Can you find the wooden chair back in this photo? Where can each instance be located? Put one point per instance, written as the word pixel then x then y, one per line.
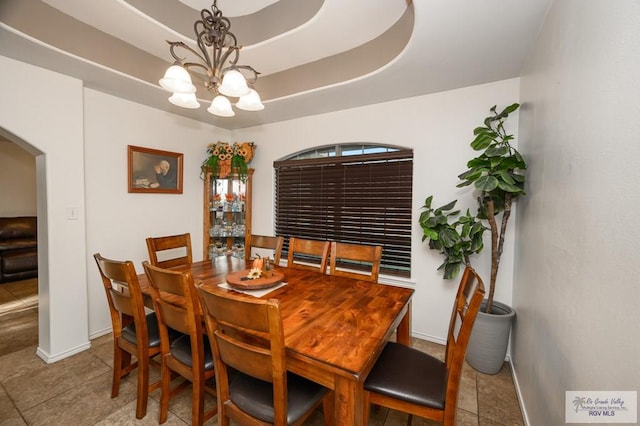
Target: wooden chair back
pixel 177 307
pixel 358 261
pixel 406 392
pixel 267 242
pixel 463 315
pixel 308 254
pixel 247 337
pixel 169 246
pixel 128 317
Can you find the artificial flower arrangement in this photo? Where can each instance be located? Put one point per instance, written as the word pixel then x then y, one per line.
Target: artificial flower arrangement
pixel 224 158
pixel 260 266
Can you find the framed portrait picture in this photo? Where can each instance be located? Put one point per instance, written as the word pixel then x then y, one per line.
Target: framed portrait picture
pixel 154 171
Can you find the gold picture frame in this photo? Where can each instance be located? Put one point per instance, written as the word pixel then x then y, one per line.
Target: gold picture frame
pixel 154 171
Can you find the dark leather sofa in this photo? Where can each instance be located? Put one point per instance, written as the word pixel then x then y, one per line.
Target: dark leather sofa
pixel 18 248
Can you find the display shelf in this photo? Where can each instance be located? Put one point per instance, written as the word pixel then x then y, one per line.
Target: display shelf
pixel 227 214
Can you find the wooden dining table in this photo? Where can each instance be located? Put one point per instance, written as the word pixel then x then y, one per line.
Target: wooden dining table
pixel 335 328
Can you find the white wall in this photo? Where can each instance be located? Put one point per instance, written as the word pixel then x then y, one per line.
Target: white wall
pixel 17 181
pixel 118 222
pixel 575 287
pixel 80 140
pixel 52 126
pixel 439 129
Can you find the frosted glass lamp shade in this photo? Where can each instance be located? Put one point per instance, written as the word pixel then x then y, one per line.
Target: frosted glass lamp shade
pixel 234 84
pixel 250 102
pixel 185 100
pixel 221 106
pixel 177 79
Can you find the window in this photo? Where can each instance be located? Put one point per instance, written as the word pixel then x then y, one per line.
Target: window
pixel 350 193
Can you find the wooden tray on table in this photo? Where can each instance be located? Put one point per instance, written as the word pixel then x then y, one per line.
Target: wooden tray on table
pixel 235 280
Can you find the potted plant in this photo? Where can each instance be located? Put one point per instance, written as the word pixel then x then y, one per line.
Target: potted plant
pixel 497 176
pixel 224 159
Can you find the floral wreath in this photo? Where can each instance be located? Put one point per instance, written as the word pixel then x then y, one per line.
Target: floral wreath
pixel 224 158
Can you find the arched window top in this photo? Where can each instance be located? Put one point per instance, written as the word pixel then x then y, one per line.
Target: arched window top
pixel 343 150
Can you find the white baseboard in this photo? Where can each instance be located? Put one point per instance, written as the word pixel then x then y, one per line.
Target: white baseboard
pixel 50 359
pixel 523 408
pixel 100 333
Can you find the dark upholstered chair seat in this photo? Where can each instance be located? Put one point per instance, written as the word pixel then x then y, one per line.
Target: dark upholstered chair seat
pixel 129 332
pixel 410 375
pixel 181 350
pixel 255 396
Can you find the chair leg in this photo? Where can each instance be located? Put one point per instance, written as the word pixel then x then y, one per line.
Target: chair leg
pixel 143 389
pixel 197 406
pixel 165 390
pixel 117 370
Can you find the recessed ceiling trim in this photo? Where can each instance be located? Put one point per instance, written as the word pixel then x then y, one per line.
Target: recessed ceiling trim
pixel 282 16
pixel 344 67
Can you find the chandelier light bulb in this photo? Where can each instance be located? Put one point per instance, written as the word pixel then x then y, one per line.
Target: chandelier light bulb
pixel 177 79
pixel 185 100
pixel 234 84
pixel 250 102
pixel 221 106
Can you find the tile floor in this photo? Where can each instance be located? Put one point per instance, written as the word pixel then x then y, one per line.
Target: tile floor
pixel 76 390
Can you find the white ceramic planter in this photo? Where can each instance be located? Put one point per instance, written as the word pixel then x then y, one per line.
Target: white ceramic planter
pixel 490 337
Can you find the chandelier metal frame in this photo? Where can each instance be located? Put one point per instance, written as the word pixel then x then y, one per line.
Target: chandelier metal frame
pixel 212 34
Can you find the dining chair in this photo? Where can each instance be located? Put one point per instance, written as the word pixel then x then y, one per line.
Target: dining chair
pixel 358 261
pixel 308 254
pixel 254 387
pixel 177 307
pixel 174 250
pixel 134 332
pixel 414 382
pixel 268 242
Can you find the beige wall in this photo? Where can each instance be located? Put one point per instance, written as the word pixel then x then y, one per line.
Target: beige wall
pixel 115 222
pixel 17 180
pixel 575 286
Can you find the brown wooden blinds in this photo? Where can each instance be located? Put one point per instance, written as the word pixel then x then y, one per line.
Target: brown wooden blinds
pixel 362 199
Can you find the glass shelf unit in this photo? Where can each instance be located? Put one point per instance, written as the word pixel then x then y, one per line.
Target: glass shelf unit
pixel 227 215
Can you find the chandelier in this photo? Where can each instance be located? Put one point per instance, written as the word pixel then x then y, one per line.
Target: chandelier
pixel 218 57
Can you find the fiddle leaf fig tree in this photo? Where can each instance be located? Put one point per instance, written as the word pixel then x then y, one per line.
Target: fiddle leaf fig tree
pixel 497 174
pixel 455 237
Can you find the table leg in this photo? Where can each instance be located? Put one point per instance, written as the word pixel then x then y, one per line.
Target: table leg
pixel 403 332
pixel 349 403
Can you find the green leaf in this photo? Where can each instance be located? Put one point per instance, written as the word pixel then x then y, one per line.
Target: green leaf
pixel 508 110
pixel 429 233
pixel 479 130
pixel 482 141
pixel 507 187
pixel 451 270
pixel 478 162
pixel 427 202
pixel 433 222
pixel 486 183
pixel 448 206
pixel 471 174
pixel 496 151
pixel 517 177
pixel 448 237
pixel 505 176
